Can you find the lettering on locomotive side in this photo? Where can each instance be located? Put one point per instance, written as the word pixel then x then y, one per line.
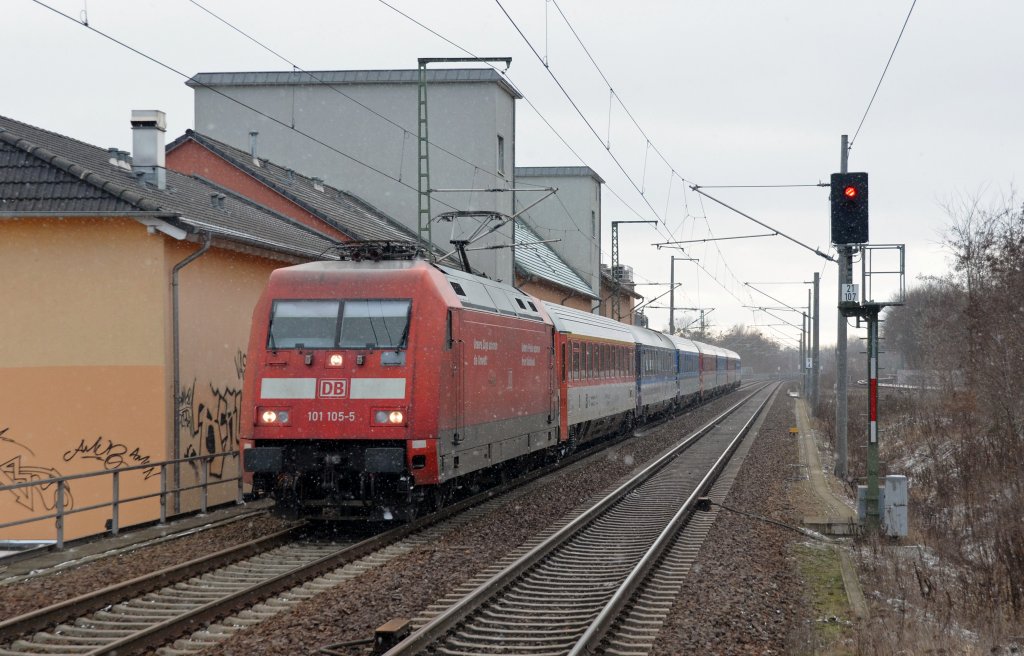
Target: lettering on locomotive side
pixel 480 360
pixel 482 345
pixel 530 348
pixel 330 388
pixel 528 362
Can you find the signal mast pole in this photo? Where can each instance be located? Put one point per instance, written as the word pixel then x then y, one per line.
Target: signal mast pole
pixel 845 253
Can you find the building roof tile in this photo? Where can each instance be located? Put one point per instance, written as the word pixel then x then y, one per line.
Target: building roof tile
pixel 349 214
pixel 537 259
pixel 45 172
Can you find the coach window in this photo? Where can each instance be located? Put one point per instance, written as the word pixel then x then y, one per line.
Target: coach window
pixel 575 360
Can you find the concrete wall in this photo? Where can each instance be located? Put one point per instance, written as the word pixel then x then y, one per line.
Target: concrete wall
pixel 86 364
pixel 547 292
pixel 626 302
pixel 82 366
pixel 217 293
pixel 577 225
pixel 464 118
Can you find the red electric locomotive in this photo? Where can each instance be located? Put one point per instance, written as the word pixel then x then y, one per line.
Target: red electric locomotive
pixel 373 387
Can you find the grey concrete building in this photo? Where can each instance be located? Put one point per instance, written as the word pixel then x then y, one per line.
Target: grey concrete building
pixel 573 217
pixel 357 130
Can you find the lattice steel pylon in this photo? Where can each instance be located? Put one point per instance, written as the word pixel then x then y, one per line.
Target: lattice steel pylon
pixel 616 271
pixel 423 160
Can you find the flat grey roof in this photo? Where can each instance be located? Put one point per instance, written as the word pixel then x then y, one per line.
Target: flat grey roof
pixel 328 78
pixel 557 172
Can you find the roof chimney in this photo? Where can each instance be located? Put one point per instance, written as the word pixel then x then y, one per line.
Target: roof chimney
pixel 252 147
pixel 318 184
pixel 148 128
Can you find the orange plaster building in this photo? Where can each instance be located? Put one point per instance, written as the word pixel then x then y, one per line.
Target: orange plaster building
pixel 128 291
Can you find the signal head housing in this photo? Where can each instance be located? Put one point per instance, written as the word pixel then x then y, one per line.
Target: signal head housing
pixel 849 208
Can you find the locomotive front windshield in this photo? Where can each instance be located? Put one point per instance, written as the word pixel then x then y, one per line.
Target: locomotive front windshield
pixel 333 324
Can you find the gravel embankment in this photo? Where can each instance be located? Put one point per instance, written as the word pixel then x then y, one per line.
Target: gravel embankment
pixel 744 596
pixel 23 596
pixel 409 584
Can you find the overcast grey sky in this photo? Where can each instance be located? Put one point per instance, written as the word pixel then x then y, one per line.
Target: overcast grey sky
pixel 729 93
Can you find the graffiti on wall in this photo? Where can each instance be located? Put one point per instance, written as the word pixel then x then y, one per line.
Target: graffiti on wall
pixel 212 419
pixel 240 364
pixel 113 455
pixel 16 467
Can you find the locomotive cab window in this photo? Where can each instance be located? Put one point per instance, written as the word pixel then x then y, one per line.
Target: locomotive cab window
pixel 323 324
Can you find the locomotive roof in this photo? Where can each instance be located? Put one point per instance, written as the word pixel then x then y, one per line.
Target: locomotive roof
pixel 491 296
pixel 577 322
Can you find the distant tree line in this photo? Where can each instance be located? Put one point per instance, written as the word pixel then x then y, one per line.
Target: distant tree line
pixel 762 354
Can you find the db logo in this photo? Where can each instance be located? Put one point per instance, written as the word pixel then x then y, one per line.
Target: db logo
pixel 332 389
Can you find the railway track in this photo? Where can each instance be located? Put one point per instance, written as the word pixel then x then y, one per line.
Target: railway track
pixel 175 610
pixel 153 610
pixel 15 562
pixel 602 579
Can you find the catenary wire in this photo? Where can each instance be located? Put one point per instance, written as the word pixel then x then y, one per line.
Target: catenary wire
pixel 493 174
pixel 572 102
pixel 563 140
pixel 386 119
pixel 884 70
pixel 235 100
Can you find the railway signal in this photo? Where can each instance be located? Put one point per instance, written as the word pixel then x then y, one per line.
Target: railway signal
pixel 849 208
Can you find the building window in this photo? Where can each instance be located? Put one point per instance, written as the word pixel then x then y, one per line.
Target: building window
pixel 501 154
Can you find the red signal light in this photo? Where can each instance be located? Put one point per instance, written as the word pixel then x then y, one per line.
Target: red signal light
pixel 850 191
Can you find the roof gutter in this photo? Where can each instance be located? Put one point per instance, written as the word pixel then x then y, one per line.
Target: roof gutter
pixel 176 340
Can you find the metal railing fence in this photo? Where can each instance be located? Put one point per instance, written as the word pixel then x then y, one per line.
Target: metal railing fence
pixel 60 512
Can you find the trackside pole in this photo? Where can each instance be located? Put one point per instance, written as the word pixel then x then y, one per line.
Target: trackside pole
pixel 872 511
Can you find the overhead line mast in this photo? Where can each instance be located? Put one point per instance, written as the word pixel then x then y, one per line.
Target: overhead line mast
pixel 423 159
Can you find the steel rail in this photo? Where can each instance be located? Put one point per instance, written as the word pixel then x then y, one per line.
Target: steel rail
pixel 165 631
pixel 592 637
pixel 98 599
pixel 158 635
pixel 447 620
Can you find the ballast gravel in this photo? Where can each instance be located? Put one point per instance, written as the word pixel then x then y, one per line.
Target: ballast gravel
pixel 744 595
pixel 22 596
pixel 409 584
pixel 738 599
